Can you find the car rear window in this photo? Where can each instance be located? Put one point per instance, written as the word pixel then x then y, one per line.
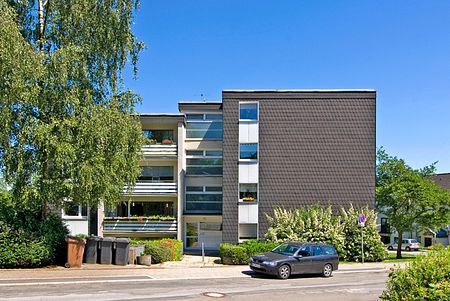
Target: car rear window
pixel 413 241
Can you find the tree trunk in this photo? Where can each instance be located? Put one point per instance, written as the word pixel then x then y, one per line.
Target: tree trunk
pixel 399 244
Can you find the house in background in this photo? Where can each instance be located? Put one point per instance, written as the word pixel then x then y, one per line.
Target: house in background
pixel 212 172
pixel 428 237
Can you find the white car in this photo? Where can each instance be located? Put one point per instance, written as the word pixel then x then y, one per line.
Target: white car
pixel 407 245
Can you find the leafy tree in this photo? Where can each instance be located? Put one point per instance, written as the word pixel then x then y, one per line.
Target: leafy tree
pixel 407 197
pixel 68 129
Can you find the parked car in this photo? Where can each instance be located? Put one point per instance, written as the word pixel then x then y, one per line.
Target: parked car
pixel 297 258
pixel 407 245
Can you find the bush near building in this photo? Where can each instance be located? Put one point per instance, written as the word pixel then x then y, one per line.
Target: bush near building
pixel 239 254
pixel 162 250
pixel 26 239
pixel 426 278
pixel 320 224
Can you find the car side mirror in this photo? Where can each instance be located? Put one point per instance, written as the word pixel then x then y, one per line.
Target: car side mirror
pixel 299 256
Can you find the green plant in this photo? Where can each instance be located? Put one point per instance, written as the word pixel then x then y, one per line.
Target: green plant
pixel 320 224
pixel 233 254
pixel 174 248
pixel 158 252
pixel 27 239
pixel 426 278
pixel 253 247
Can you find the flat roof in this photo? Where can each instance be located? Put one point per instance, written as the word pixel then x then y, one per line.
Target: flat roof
pixel 302 90
pixel 161 114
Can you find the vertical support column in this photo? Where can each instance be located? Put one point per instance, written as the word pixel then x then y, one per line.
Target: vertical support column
pixel 101 215
pixel 180 181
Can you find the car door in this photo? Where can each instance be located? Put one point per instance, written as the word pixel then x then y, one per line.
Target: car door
pixel 317 259
pixel 301 262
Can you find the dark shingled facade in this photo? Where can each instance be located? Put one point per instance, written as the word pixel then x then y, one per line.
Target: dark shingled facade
pixel 315 147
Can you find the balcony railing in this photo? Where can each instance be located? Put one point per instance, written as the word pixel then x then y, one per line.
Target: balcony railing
pixel 149 188
pixel 160 150
pixel 127 226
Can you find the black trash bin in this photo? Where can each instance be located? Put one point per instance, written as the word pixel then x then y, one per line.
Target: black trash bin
pixel 106 249
pixel 122 249
pixel 90 252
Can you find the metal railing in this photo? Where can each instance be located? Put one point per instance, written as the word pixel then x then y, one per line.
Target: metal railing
pixel 159 150
pixel 144 226
pixel 149 188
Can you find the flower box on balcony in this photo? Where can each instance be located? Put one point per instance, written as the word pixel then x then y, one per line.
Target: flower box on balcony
pixel 248 199
pixel 167 141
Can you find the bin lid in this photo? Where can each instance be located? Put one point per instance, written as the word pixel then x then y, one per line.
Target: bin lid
pixel 123 240
pixel 96 238
pixel 109 239
pixel 74 239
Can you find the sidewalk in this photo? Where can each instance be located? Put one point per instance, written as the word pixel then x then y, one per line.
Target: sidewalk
pixel 191 267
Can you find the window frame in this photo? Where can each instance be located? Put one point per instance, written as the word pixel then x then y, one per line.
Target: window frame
pixel 80 215
pixel 203 156
pixel 249 102
pixel 205 120
pixel 204 191
pixel 249 159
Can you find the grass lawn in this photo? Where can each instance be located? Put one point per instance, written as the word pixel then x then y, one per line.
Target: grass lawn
pixel 405 257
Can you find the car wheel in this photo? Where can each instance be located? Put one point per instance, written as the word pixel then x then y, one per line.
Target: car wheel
pixel 408 249
pixel 390 248
pixel 284 271
pixel 327 270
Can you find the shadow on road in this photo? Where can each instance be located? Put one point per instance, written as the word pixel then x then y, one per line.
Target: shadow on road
pixel 265 276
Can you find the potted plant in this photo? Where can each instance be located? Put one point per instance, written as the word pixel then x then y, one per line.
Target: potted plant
pixel 248 199
pixel 167 141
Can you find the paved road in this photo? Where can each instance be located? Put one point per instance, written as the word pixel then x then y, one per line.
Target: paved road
pixel 345 285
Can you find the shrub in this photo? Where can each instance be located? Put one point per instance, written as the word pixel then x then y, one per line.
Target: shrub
pixel 426 278
pixel 253 247
pixel 27 240
pixel 233 254
pixel 172 247
pixel 319 224
pixel 158 252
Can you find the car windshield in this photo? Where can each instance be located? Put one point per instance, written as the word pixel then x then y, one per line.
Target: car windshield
pixel 285 249
pixel 413 241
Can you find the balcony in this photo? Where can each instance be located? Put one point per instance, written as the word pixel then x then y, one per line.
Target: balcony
pixel 152 188
pixel 139 226
pixel 159 151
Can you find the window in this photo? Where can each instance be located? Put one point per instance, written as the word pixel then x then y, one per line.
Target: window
pixel 248 231
pixel 204 126
pixel 317 251
pixel 248 192
pixel 158 136
pixel 327 250
pixel 304 251
pixel 204 130
pixel 151 208
pixel 156 174
pixel 248 151
pixel 203 199
pixel 248 111
pixel 204 163
pixel 71 209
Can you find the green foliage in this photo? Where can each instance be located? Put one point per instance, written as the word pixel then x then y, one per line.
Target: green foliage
pixel 319 224
pixel 68 125
pixel 239 254
pixel 407 197
pixel 253 247
pixel 27 240
pixel 162 250
pixel 313 224
pixel 232 254
pixel 426 278
pixel 158 252
pixel 374 249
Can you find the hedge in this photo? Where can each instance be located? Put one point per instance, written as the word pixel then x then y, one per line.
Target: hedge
pixel 426 278
pixel 27 240
pixel 162 250
pixel 240 254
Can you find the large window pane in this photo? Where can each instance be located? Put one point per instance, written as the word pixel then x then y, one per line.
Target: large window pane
pixel 213 117
pixel 249 151
pixel 207 203
pixel 151 208
pixel 156 173
pixel 248 111
pixel 158 136
pixel 204 130
pixel 204 166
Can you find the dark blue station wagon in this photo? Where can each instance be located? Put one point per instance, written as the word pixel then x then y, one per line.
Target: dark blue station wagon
pixel 297 258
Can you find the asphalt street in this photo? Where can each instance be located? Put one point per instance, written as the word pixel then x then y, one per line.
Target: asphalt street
pixel 344 285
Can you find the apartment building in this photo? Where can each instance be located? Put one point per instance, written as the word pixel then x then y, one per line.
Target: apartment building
pixel 212 172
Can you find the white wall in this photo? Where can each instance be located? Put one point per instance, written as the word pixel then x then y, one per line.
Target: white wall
pixel 77 226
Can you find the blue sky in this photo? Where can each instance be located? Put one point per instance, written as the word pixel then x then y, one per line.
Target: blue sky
pixel 399 48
